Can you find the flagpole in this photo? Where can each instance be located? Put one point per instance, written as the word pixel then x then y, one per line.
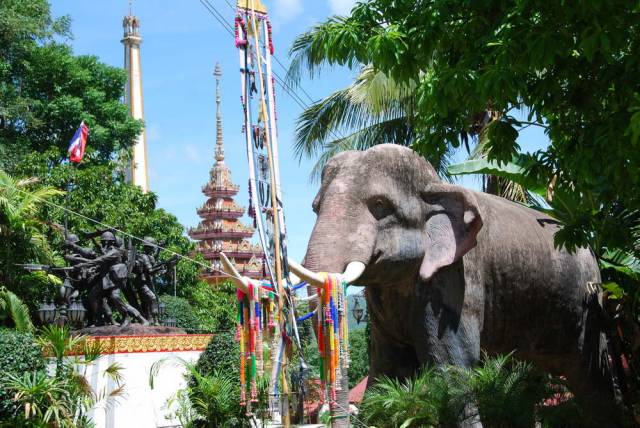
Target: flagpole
pixel 67 198
pixel 76 153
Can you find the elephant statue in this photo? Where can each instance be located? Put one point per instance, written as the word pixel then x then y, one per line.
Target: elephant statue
pixel 450 272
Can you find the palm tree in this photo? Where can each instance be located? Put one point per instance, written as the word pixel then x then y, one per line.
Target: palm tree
pixel 375 109
pixel 21 231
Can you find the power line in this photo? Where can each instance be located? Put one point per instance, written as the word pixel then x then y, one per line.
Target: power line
pixel 67 210
pixel 284 68
pixel 283 83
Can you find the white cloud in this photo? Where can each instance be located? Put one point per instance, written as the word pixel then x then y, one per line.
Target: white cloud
pixel 286 10
pixel 341 7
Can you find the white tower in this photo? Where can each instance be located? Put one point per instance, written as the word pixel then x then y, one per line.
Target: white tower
pixel 137 172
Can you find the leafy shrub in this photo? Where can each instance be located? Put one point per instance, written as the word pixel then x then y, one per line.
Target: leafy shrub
pixel 507 393
pixel 19 354
pixel 210 400
pixel 182 311
pixel 63 398
pixel 222 356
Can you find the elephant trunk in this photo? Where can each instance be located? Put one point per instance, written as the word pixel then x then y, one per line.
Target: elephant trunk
pixel 338 240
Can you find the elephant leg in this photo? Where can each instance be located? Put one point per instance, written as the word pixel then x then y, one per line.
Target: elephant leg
pixel 390 358
pixel 447 331
pixel 591 376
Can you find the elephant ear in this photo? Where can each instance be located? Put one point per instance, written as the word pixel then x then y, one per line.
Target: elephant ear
pixel 453 222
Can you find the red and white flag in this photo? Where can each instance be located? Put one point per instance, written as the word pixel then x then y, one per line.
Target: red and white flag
pixel 78 143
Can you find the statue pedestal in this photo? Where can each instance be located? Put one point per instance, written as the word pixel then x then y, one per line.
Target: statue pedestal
pixel 140 406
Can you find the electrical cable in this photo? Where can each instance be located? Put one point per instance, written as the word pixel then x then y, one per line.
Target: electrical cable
pixel 283 83
pixel 69 211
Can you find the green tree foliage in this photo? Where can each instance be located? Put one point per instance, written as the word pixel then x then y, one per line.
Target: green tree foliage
pixel 571 67
pixel 19 353
pixel 181 310
pixel 359 353
pixel 214 306
pixel 47 91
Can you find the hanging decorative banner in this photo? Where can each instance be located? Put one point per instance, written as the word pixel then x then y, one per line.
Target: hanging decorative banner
pixel 332 335
pixel 253 39
pixel 255 329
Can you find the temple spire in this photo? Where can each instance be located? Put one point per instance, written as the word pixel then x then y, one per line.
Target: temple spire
pixel 219 147
pixel 220 228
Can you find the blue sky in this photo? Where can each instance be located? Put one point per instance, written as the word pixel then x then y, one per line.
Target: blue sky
pixel 181 44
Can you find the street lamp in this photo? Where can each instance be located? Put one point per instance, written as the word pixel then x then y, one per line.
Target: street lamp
pixel 47 312
pixel 69 310
pixel 357 311
pixel 76 312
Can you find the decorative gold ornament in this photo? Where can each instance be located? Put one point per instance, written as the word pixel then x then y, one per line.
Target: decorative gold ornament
pixel 136 344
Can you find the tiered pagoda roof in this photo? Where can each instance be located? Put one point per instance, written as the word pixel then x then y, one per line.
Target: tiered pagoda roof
pixel 220 229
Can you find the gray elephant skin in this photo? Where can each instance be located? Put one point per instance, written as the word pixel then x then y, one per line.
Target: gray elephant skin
pixel 451 272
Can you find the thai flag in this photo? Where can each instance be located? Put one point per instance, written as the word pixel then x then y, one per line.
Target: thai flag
pixel 78 143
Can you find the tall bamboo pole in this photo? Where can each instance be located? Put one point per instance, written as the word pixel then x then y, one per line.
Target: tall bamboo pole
pixel 276 222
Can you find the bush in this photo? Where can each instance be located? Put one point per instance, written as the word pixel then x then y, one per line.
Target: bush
pixel 182 311
pixel 507 393
pixel 19 354
pixel 221 356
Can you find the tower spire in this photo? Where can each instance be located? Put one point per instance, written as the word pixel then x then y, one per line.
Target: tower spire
pixel 220 228
pixel 219 147
pixel 137 172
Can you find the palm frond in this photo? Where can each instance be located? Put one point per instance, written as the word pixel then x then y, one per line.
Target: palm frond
pixel 12 308
pixel 114 372
pixel 310 52
pixel 390 131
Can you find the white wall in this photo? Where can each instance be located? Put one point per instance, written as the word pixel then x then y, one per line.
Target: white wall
pixel 140 406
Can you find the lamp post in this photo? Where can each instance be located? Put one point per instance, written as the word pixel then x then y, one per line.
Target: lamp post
pixel 76 312
pixel 66 289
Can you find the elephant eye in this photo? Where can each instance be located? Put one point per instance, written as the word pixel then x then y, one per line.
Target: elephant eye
pixel 380 207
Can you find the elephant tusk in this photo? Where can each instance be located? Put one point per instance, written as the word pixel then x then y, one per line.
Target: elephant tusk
pixel 305 274
pixel 241 282
pixel 353 272
pixel 295 279
pixel 350 274
pixel 304 299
